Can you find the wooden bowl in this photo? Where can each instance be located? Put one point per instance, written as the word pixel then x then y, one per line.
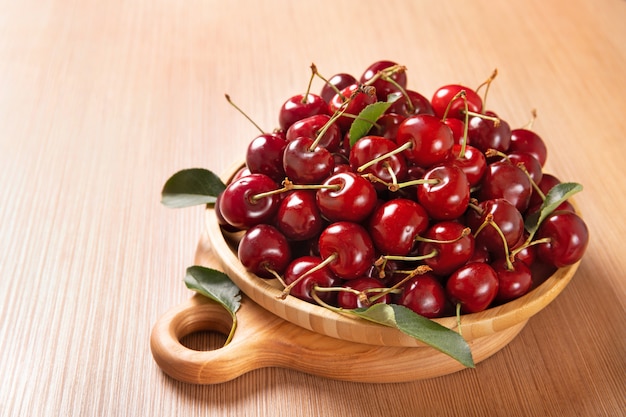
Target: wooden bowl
pixel 323 321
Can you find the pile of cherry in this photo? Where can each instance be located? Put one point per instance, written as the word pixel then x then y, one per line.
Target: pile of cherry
pixel 425 209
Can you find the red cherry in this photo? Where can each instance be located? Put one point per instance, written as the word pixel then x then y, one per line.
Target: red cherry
pixel 239 205
pixel 300 107
pixel 431 140
pixel 384 87
pixel 349 249
pixel 265 156
pixel 445 95
pixel 298 216
pixel 340 81
pixel 350 300
pixel 322 277
pixel 425 295
pixel 264 249
pixel 449 197
pixel 368 149
pixel 568 238
pixel 452 246
pixel 505 180
pixel 353 200
pixel 474 286
pixel 472 162
pixel 457 126
pixel 512 283
pixel 486 134
pixel 395 224
pixel 410 103
pixel 508 219
pixel 359 99
pixel 311 127
pixel 529 162
pixel 304 165
pixel 387 126
pixel 524 140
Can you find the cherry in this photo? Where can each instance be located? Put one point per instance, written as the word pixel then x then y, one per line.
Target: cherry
pixel 529 162
pixel 425 295
pixel 545 185
pixel 507 218
pixel 264 251
pixel 384 87
pixel 457 126
pixel 352 200
pixel 312 126
pixel 395 224
pixel 362 295
pixel 387 126
pixel 368 149
pixel 304 275
pixel 431 140
pixel 472 161
pixel 306 165
pixel 486 133
pixel 524 140
pixel 348 249
pixel 239 204
pixel 356 97
pixel 567 236
pixel 264 155
pixel 452 244
pixel 474 286
pixel 300 107
pixel 448 197
pixel 512 283
pixel 505 180
pixel 444 100
pixel 339 82
pixel 409 103
pixel 298 216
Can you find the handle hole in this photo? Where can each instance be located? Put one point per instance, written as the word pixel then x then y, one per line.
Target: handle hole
pixel 204 340
pixel 204 327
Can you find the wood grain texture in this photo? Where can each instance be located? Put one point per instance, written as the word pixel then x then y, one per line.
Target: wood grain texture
pixel 101 101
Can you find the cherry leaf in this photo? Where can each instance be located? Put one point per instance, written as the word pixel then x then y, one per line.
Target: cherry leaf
pixel 191 187
pixel 366 119
pixel 421 328
pixel 557 195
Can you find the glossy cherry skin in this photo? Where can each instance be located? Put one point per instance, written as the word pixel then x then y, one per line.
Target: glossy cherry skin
pixel 320 278
pixel 449 198
pixel 305 166
pixel 505 180
pixel 453 249
pixel 359 99
pixel 529 162
pixel 300 107
pixel 513 283
pixel 569 237
pixel 505 215
pixel 472 162
pixel 387 126
pixel 340 81
pixel 350 245
pixel 240 209
pixel 545 185
pixel 425 295
pixel 474 286
pixel 310 127
pixel 431 140
pixel 395 224
pixel 410 103
pixel 369 148
pixel 298 216
pixel 262 249
pixel 383 87
pixel 457 127
pixel 444 95
pixel 354 201
pixel 484 134
pixel 524 140
pixel 264 155
pixel 350 301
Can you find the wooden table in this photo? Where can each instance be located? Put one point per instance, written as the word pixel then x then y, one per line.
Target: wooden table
pixel 100 102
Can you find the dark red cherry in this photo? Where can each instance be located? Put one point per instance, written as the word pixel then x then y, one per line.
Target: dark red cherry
pixel 298 216
pixel 311 127
pixel 512 283
pixel 382 86
pixel 524 140
pixel 529 162
pixel 450 243
pixel 350 300
pixel 300 107
pixel 321 278
pixel 448 198
pixel 505 216
pixel 548 181
pixel 264 249
pixel 239 204
pixel 368 149
pixel 568 238
pixel 457 126
pixel 425 295
pixel 474 286
pixel 486 134
pixel 264 155
pixel 395 224
pixel 304 165
pixel 505 180
pixel 445 95
pixel 339 81
pixel 353 200
pixel 387 126
pixel 473 163
pixel 409 103
pixel 349 248
pixel 431 140
pixel 359 96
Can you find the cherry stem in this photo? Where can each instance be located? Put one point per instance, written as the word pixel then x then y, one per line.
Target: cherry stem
pixel 334 87
pixel 340 111
pixel 495 120
pixel 490 222
pixel 410 258
pixel 288 186
pixel 385 74
pixel 305 98
pixel 277 276
pixel 487 84
pixel 243 113
pixel 473 204
pixel 465 232
pixel 458 318
pixel 420 270
pixel 458 95
pixel 533 117
pixel 529 242
pixel 405 146
pixel 316 268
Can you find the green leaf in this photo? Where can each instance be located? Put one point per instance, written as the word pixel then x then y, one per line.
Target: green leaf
pixel 421 328
pixel 366 119
pixel 191 187
pixel 557 195
pixel 215 285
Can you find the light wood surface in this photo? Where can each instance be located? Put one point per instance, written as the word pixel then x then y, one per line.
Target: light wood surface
pixel 100 102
